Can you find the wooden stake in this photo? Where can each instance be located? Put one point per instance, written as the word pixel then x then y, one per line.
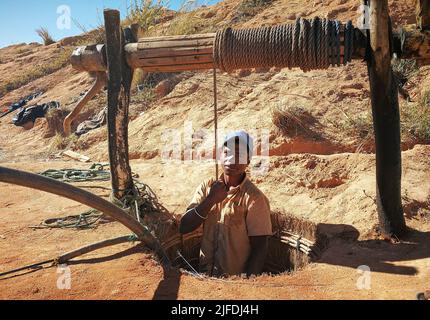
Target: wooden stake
pixel 119 83
pixel 386 122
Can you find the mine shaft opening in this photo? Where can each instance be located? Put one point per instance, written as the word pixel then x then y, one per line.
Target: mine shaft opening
pixel 288 251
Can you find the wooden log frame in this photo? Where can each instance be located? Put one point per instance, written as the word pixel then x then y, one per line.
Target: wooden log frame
pixel 174 53
pixel 386 121
pixel 194 52
pixel 119 82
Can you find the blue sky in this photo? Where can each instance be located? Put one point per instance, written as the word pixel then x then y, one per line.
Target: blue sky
pixel 20 18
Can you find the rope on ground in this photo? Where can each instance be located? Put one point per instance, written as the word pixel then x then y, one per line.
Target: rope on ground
pixel 307 44
pixel 86 220
pixel 96 172
pixel 139 201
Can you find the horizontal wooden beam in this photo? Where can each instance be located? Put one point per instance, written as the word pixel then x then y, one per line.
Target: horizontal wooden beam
pixel 174 53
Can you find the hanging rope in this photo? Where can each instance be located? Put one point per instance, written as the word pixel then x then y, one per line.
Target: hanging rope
pixel 216 124
pixel 306 44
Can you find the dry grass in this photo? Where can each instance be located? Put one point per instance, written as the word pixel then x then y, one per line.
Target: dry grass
pixel 404 69
pixel 54 119
pixel 360 124
pixel 291 120
pixel 415 118
pixel 146 13
pixel 61 142
pixel 45 35
pixel 249 8
pixel 186 23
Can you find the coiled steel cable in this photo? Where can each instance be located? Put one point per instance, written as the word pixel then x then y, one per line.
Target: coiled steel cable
pixel 307 44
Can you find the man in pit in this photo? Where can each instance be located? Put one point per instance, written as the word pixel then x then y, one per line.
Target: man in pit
pixel 233 213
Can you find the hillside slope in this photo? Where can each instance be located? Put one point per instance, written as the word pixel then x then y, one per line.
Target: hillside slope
pixel 325 173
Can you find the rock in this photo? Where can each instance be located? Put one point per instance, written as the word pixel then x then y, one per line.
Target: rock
pixel 243 73
pixel 207 15
pixel 163 88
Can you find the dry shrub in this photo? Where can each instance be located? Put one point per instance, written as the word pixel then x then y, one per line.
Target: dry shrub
pixel 292 120
pixel 415 118
pixel 249 8
pixel 55 118
pixel 187 23
pixel 360 124
pixel 60 142
pixel 45 35
pixel 404 69
pixel 146 13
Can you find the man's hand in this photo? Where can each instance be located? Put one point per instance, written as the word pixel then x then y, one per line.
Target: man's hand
pixel 218 192
pixel 191 220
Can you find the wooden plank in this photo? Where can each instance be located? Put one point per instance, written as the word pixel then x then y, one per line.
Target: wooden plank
pixel 76 156
pixel 181 67
pixel 119 82
pixel 179 37
pixel 174 44
pixel 132 51
pixel 191 59
pixel 386 122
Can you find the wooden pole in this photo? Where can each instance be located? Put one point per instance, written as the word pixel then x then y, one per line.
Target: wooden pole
pixel 422 10
pixel 386 121
pixel 68 191
pixel 119 83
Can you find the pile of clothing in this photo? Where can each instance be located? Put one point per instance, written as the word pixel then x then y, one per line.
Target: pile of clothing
pixel 30 114
pixel 95 122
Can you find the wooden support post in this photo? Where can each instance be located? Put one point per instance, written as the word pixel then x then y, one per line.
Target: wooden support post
pixel 386 121
pixel 423 14
pixel 119 83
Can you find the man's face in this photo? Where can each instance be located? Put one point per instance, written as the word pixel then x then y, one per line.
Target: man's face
pixel 234 159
